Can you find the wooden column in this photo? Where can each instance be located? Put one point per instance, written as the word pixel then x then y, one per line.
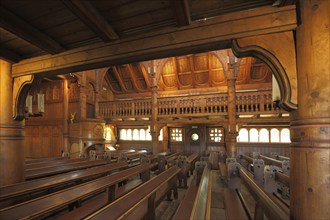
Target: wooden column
pixel 310 124
pixel 231 145
pixel 82 96
pixel 12 161
pixel 154 114
pixel 66 146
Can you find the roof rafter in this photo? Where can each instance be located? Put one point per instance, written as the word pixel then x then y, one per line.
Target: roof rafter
pixel 26 31
pixel 134 79
pixel 119 79
pixel 182 12
pixel 88 14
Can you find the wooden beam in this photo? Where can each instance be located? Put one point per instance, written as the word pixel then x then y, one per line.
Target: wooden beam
pixel 134 79
pixel 9 55
pixel 200 36
pixel 182 12
pixel 24 30
pixel 119 79
pixel 87 13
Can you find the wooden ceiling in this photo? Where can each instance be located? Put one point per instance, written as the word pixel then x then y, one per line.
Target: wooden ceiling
pixel 31 28
pixel 194 71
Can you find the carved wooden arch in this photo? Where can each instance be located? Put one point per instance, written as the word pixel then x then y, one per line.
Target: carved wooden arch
pixel 21 88
pixel 282 64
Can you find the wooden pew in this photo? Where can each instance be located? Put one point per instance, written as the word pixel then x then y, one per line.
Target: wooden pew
pixel 95 204
pixel 45 184
pixel 43 206
pixel 187 203
pixel 50 171
pixel 53 163
pixel 140 202
pixel 235 208
pixel 202 203
pixel 44 159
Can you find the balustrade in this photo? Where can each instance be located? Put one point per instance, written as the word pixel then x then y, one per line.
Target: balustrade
pixel 199 105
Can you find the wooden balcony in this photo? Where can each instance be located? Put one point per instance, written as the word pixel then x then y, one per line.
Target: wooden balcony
pixel 247 103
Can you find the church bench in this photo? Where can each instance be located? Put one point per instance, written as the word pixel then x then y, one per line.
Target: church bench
pixel 265 201
pixel 235 208
pixel 26 188
pixel 52 163
pixel 187 203
pixel 50 171
pixel 191 159
pixel 45 205
pixel 202 203
pixel 140 202
pixel 99 202
pixel 44 159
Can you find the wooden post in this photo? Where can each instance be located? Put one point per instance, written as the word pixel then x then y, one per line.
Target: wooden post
pixel 310 124
pixel 154 114
pixel 231 145
pixel 12 161
pixel 66 150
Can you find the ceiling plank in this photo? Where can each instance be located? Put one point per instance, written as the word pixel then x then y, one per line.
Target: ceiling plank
pixel 9 55
pixel 87 13
pixel 24 30
pixel 182 12
pixel 213 34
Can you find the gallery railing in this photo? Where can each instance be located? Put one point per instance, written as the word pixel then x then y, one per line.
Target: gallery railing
pixel 193 105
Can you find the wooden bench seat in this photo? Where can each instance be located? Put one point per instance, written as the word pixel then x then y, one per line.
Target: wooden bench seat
pixel 52 163
pixel 50 171
pixel 99 202
pixel 187 203
pixel 33 186
pixel 141 201
pixel 233 205
pixel 45 159
pixel 43 206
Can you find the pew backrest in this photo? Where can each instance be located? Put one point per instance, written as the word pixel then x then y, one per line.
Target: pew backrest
pixel 27 187
pixel 136 202
pixel 42 206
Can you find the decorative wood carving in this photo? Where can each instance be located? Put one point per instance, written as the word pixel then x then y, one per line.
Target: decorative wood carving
pixel 281 61
pixel 21 88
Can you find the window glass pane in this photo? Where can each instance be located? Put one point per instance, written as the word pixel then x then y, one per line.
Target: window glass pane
pixel 142 134
pixel 285 135
pixel 148 136
pixel 274 135
pixel 136 135
pixel 243 135
pixel 176 134
pixel 123 134
pixel 129 134
pixel 254 135
pixel 264 135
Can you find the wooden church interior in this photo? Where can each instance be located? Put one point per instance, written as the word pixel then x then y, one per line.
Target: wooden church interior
pixel 167 109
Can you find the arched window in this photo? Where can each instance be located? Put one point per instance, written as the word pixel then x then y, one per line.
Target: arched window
pixel 129 134
pixel 160 137
pixel 243 135
pixel 123 134
pixel 142 134
pixel 254 135
pixel 136 135
pixel 274 135
pixel 148 136
pixel 285 135
pixel 264 135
